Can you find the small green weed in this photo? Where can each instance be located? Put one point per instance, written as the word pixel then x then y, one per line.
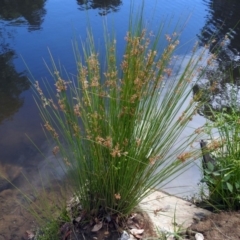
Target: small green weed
pixel 223 177
pixel 51 228
pixel 49 231
pixel 177 233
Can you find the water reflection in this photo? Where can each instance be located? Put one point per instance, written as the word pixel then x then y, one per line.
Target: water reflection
pixel 23 12
pixel 104 6
pixel 12 84
pixel 223 20
pixel 221 82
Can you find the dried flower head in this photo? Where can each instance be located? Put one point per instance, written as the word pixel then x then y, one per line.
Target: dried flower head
pixel 184 156
pixel 61 85
pixel 108 142
pixel 61 105
pixel 214 144
pixel 199 130
pixel 138 142
pixel 39 90
pixel 66 162
pixel 168 71
pixel 55 150
pixel 153 159
pixel 168 38
pixel 51 130
pixel 117 196
pixel 116 152
pixel 53 104
pixel 76 110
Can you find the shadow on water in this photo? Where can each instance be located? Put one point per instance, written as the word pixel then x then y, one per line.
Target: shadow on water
pixel 104 6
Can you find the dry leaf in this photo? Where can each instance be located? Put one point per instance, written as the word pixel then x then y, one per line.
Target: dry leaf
pixel 65 227
pixel 135 231
pixel 131 237
pixel 78 219
pixel 133 216
pixel 137 226
pixel 129 221
pixel 97 227
pixel 30 235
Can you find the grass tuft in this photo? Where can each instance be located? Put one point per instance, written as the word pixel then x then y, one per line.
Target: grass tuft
pixel 116 125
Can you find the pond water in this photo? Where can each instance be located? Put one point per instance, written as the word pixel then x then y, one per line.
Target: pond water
pixel 29 28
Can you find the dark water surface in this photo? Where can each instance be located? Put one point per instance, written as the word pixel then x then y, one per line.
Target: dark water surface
pixel 30 28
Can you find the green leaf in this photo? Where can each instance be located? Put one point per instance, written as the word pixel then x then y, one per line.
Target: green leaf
pixel 226 177
pixel 207 172
pixel 216 174
pixel 230 187
pixel 210 166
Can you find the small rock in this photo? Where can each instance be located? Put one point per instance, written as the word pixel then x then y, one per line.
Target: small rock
pixel 199 236
pixel 125 236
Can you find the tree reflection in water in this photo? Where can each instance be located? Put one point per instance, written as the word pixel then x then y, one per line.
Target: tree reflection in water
pixel 104 6
pixel 23 12
pixel 221 86
pixel 12 84
pixel 223 20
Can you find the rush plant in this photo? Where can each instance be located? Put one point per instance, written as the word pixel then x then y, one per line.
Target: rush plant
pixel 117 126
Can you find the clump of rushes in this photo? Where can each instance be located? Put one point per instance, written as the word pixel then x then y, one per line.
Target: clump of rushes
pixel 117 127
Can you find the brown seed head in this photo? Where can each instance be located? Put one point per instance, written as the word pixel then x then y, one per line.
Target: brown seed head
pixel 55 150
pixel 184 156
pixel 116 152
pixel 117 196
pixel 61 85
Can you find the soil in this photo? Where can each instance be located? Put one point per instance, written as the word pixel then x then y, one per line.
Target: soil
pixel 15 221
pixel 217 226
